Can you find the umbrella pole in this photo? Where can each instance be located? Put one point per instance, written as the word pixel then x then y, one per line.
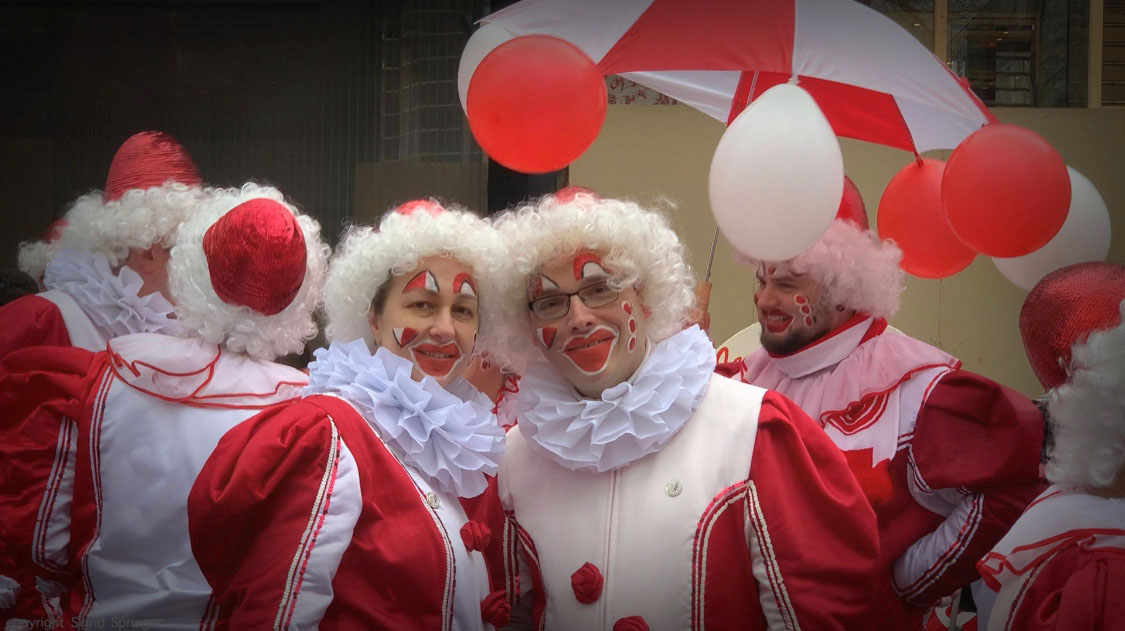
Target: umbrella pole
pixel 703 289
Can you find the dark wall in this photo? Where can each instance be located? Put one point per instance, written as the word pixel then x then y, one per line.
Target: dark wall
pixel 296 94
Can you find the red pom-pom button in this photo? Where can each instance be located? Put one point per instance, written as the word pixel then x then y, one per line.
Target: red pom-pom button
pixel 587 583
pixel 476 536
pixel 495 609
pixel 631 623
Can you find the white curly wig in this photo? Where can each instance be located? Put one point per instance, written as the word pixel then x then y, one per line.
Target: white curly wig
pixel 34 256
pixel 239 328
pixel 637 245
pixel 852 267
pixel 1088 413
pixel 140 219
pixel 366 258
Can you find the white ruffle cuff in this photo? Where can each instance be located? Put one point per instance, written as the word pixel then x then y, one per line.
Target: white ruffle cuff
pixel 110 300
pixel 454 441
pixel 630 420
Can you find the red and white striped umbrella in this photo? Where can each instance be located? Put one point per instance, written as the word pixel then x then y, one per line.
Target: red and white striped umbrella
pixel 870 77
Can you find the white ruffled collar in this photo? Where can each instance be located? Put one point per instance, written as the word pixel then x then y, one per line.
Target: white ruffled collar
pixel 450 436
pixel 110 300
pixel 630 420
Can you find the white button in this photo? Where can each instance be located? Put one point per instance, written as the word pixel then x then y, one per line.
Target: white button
pixel 674 487
pixel 432 499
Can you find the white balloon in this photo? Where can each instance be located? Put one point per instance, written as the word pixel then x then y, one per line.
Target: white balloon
pixel 777 176
pixel 1083 237
pixel 482 42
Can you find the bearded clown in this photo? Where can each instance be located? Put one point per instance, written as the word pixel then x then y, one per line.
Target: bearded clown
pixel 108 274
pixel 947 458
pixel 1062 564
pixel 642 491
pixel 377 454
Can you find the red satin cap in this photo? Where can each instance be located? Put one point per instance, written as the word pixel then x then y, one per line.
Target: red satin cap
pixel 567 194
pixel 851 205
pixel 426 205
pixel 256 256
pixel 1063 309
pixel 149 159
pixel 54 231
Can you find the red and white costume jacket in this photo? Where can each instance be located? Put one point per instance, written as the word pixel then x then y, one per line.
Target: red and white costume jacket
pixel 340 510
pixel 85 305
pixel 680 500
pixel 100 451
pixel 1061 566
pixel 948 458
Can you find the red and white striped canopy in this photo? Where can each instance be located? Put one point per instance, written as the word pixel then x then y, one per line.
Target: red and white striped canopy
pixel 870 77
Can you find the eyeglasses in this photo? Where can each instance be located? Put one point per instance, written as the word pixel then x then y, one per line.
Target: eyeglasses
pixel 556 306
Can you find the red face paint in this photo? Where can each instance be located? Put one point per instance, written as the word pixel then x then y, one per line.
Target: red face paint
pixel 404 336
pixel 434 360
pixel 543 284
pixel 422 280
pixel 590 353
pixel 587 264
pixel 546 336
pixel 463 284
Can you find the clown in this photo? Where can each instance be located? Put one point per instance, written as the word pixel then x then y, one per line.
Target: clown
pixel 361 525
pixel 109 275
pixel 1062 564
pixel 643 491
pixel 947 458
pixel 103 448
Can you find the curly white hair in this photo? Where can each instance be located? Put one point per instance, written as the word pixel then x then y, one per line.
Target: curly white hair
pixel 1088 413
pixel 852 267
pixel 239 328
pixel 34 256
pixel 139 219
pixel 638 246
pixel 367 258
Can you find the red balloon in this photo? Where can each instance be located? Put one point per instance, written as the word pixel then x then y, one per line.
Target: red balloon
pixel 536 103
pixel 911 215
pixel 1006 191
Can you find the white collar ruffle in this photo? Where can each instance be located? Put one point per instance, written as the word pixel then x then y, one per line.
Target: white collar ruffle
pixel 110 300
pixel 630 420
pixel 453 440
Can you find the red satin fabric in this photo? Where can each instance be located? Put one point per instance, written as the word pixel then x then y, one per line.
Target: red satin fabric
pixel 256 256
pixel 148 159
pixel 31 321
pixel 1062 309
pixel 250 506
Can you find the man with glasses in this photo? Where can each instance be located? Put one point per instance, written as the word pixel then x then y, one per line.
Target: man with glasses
pixel 645 492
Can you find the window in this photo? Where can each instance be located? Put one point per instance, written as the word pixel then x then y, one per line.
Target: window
pixel 1029 53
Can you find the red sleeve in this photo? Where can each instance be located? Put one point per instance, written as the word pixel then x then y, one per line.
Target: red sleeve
pixel 41 399
pixel 31 321
pixel 1078 589
pixel 250 506
pixel 821 529
pixel 975 435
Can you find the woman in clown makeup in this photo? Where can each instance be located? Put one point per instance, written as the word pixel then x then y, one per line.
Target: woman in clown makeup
pixel 342 510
